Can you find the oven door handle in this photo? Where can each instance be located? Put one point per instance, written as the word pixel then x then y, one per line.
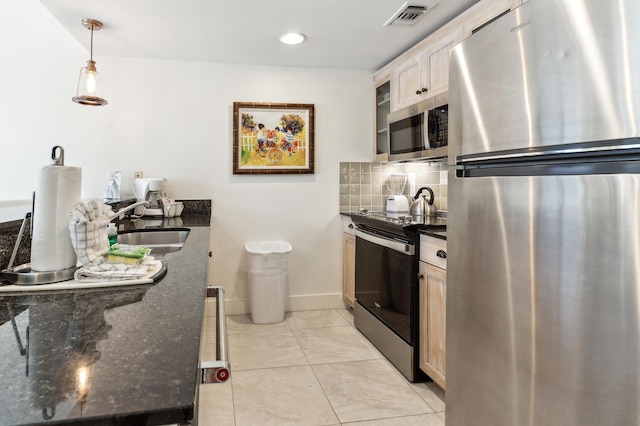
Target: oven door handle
pixel 404 248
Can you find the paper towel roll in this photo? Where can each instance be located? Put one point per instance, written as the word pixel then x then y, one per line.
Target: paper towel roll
pixel 57 193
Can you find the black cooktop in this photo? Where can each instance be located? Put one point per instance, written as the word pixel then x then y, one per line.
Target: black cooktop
pixel 399 223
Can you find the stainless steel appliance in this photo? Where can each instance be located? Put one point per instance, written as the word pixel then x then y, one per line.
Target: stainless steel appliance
pixel 543 286
pixel 386 309
pixel 421 207
pixel 419 131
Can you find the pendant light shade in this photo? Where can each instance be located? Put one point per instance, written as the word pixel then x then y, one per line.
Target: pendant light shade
pixel 88 90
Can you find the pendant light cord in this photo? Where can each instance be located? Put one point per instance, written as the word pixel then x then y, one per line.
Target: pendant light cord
pixel 91 50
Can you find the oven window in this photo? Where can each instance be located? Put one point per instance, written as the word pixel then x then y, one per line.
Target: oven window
pixel 384 286
pixel 406 135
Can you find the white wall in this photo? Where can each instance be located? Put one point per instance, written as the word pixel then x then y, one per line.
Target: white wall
pixel 173 119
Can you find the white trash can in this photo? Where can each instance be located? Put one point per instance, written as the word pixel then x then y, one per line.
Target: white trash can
pixel 267 265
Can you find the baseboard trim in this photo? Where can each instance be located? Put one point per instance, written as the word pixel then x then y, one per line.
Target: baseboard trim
pixel 305 302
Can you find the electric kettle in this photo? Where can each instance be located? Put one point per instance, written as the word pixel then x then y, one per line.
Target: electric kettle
pixel 420 206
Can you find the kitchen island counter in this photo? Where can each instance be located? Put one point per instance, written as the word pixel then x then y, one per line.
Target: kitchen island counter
pixel 120 355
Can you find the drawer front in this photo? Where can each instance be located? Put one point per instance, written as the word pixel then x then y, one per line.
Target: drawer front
pixel 432 251
pixel 347 225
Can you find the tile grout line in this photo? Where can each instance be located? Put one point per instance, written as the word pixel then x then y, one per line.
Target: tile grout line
pixel 315 375
pixel 326 324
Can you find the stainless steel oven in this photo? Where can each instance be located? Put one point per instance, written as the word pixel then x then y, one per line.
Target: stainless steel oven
pixel 386 308
pixel 386 303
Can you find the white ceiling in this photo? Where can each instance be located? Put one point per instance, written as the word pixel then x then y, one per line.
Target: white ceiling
pixel 346 34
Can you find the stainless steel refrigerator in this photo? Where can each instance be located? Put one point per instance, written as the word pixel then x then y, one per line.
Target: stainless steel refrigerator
pixel 543 289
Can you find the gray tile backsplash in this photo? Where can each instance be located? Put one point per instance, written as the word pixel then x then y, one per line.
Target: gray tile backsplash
pixel 364 185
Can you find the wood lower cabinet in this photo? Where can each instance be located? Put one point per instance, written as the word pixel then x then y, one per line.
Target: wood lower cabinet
pixel 348 261
pixel 349 269
pixel 432 292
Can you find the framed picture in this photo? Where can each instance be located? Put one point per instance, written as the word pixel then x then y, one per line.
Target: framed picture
pixel 272 138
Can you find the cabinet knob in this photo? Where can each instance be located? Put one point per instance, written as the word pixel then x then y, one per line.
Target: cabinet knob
pixel 351 226
pixel 424 89
pixel 420 276
pixel 418 92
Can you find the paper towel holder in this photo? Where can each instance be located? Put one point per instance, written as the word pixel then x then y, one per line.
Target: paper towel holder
pixel 23 275
pixel 57 156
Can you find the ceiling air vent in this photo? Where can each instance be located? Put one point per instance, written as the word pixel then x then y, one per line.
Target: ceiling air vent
pixel 407 15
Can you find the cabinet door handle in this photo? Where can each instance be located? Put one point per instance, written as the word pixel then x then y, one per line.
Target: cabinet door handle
pixel 424 89
pixel 351 226
pixel 442 254
pixel 418 92
pixel 421 276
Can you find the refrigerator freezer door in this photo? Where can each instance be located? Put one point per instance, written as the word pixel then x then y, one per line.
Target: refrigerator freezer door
pixel 549 73
pixel 543 301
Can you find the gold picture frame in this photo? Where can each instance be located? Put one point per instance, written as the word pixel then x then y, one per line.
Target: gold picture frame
pixel 273 138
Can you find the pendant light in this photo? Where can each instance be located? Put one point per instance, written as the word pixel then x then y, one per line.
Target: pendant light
pixel 88 91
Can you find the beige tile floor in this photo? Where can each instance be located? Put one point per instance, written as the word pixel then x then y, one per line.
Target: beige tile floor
pixel 314 368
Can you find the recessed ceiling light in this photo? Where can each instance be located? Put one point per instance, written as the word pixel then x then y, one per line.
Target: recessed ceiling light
pixel 292 38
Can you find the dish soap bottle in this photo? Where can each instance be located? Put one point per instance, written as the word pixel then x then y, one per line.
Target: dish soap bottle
pixel 112 234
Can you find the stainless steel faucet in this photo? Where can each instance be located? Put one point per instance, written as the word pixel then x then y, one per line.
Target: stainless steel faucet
pixel 130 207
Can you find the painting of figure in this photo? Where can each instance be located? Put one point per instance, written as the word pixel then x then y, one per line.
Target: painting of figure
pixel 272 138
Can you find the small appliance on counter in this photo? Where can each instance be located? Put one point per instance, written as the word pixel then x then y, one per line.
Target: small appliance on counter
pixel 150 190
pixel 421 207
pixel 397 202
pixel 153 191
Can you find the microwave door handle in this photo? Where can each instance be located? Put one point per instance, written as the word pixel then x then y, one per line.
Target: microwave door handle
pixel 431 135
pixel 427 141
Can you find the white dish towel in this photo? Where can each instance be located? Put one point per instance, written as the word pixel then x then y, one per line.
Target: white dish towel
pixel 113 271
pixel 88 231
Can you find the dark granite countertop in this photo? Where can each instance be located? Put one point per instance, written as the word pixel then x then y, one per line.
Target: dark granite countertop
pixel 124 355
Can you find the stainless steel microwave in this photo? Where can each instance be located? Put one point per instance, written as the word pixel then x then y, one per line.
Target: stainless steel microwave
pixel 419 131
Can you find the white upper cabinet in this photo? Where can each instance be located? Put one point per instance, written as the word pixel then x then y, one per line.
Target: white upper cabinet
pixel 408 84
pixel 382 107
pixel 425 74
pixel 423 70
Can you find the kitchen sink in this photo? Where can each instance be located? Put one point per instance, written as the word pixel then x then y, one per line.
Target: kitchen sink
pixel 160 241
